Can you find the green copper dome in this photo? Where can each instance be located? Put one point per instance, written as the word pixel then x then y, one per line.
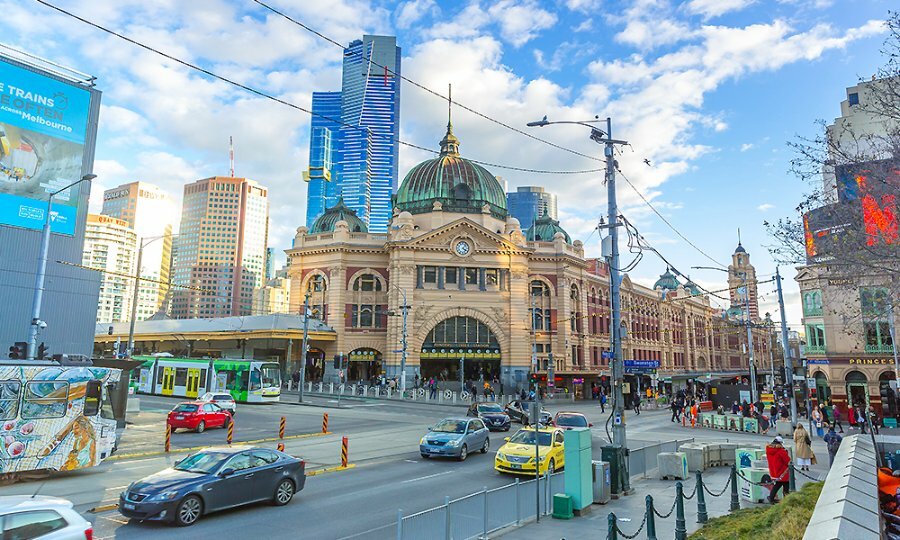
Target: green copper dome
pixel 338 212
pixel 457 183
pixel 692 288
pixel 734 312
pixel 544 229
pixel 667 281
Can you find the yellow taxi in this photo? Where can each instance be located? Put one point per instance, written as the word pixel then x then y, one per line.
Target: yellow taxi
pixel 517 455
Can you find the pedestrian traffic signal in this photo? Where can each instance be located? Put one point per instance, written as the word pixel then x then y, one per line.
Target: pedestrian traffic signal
pixel 43 351
pixel 19 351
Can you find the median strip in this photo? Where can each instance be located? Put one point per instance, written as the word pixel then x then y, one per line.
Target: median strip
pixel 119 457
pixel 331 469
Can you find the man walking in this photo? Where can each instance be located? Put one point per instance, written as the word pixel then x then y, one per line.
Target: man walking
pixel 602 402
pixel 779 464
pixel 836 415
pixel 833 441
pixel 675 409
pixel 637 403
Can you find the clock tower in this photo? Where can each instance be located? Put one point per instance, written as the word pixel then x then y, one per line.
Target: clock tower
pixel 742 281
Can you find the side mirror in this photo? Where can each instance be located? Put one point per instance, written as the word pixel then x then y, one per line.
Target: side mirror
pixel 506 439
pixel 226 472
pixel 590 425
pixel 177 463
pixel 429 428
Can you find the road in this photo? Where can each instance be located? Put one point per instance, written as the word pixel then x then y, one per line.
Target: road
pixel 359 503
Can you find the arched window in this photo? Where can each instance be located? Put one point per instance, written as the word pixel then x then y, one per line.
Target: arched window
pixel 367 283
pixel 540 306
pixel 317 287
pixel 575 311
pixel 365 311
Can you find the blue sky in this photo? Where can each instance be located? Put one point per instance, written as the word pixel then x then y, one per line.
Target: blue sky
pixel 710 91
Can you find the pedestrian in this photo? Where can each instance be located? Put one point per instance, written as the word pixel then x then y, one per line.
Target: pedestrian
pixel 873 417
pixel 817 421
pixel 637 403
pixel 735 408
pixel 675 409
pixel 416 381
pixel 522 394
pixel 745 409
pixel 836 415
pixel 860 416
pixel 803 448
pixel 432 388
pixel 602 402
pixel 833 442
pixel 773 412
pixel 779 463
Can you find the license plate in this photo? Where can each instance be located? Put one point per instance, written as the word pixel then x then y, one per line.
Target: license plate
pixel 179 418
pixel 129 506
pixel 515 466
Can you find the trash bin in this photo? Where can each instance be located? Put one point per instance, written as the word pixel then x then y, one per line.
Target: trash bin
pixel 601 477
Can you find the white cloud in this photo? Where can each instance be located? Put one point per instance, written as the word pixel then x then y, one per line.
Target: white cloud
pixel 585 6
pixel 715 8
pixel 584 26
pixel 747 146
pixel 521 21
pixel 765 207
pixel 645 34
pixel 412 11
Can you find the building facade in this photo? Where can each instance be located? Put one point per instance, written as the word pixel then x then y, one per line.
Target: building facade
pixel 527 203
pixel 353 135
pixel 221 247
pixel 487 298
pixel 273 297
pixel 153 215
pixel 110 245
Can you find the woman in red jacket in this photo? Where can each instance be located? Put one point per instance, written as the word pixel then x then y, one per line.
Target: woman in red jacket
pixel 779 464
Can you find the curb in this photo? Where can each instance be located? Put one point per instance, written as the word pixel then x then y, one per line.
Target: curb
pixel 120 457
pixel 331 469
pixel 103 508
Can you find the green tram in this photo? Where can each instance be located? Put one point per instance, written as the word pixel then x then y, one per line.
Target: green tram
pixel 248 381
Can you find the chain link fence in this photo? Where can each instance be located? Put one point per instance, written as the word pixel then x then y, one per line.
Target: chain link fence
pixel 479 514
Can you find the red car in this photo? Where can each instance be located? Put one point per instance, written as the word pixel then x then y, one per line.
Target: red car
pixel 197 416
pixel 569 420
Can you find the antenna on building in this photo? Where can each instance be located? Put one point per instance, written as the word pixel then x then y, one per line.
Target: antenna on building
pixel 739 230
pixel 231 153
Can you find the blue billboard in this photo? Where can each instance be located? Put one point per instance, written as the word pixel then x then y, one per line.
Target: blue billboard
pixel 43 129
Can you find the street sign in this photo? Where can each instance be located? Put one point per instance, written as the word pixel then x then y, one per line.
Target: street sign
pixel 645 364
pixel 822 361
pixel 606 355
pixel 643 370
pixel 811 383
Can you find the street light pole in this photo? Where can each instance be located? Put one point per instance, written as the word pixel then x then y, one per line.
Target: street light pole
pixel 788 363
pixel 304 346
pixel 753 390
pixel 38 297
pixel 405 308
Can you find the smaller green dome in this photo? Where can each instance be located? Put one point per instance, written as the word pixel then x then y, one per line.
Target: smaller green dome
pixel 667 281
pixel 338 212
pixel 734 312
pixel 692 288
pixel 544 229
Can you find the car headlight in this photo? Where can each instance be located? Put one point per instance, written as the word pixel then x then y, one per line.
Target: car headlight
pixel 422 440
pixel 164 496
pixel 501 456
pixel 454 442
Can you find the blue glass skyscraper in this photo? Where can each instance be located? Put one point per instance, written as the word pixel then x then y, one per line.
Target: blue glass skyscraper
pixel 528 203
pixel 357 157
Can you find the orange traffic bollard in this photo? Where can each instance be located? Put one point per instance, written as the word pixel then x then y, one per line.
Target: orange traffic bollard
pixel 324 422
pixel 344 452
pixel 168 437
pixel 280 447
pixel 230 434
pixel 683 420
pixel 281 428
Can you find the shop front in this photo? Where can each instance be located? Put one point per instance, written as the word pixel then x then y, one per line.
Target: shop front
pixel 364 365
pixel 460 343
pixel 856 382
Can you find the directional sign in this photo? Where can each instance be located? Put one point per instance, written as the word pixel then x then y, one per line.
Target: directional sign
pixel 606 355
pixel 645 364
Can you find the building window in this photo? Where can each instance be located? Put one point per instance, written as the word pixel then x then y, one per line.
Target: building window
pixel 812 303
pixel 815 338
pixel 471 276
pixel 874 302
pixel 876 319
pixel 539 288
pixel 450 275
pixel 430 274
pixel 492 277
pixel 362 316
pixel 853 98
pixel 367 283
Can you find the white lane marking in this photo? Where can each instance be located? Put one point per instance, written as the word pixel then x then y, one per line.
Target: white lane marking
pixel 118 487
pixel 426 477
pixel 411 460
pixel 123 522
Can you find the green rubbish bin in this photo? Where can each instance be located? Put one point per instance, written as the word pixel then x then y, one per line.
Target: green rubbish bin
pixel 618 467
pixel 562 506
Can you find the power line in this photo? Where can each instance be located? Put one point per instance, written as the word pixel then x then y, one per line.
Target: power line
pixel 423 87
pixel 286 103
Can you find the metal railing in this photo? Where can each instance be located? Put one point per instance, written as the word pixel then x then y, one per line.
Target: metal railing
pixel 479 514
pixel 643 460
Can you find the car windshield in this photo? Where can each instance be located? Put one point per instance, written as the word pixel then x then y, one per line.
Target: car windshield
pixel 571 420
pixel 206 397
pixel 223 397
pixel 450 426
pixel 185 407
pixel 526 436
pixel 492 408
pixel 201 462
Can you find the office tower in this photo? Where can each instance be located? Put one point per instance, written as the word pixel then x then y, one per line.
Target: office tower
pixel 152 214
pixel 110 245
pixel 528 203
pixel 221 247
pixel 270 264
pixel 353 135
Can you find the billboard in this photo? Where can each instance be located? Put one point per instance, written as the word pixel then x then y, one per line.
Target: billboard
pixel 43 131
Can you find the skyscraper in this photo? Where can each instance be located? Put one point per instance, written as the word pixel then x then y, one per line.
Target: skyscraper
pixel 111 245
pixel 221 247
pixel 353 135
pixel 152 214
pixel 528 203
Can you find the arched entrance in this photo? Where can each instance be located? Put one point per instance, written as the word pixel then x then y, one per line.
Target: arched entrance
pixel 364 364
pixel 460 341
pixel 823 392
pixel 857 389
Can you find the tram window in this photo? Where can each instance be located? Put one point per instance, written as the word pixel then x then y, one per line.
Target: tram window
pixel 9 399
pixel 92 395
pixel 159 374
pixel 180 376
pixel 203 379
pixel 45 399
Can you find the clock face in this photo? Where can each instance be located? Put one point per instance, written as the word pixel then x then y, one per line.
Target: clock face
pixel 462 248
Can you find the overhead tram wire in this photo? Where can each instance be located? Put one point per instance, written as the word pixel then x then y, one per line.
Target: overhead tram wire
pixel 425 88
pixel 284 102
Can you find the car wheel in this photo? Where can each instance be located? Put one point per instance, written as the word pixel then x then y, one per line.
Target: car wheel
pixel 551 467
pixel 188 511
pixel 201 427
pixel 284 493
pixel 487 446
pixel 463 453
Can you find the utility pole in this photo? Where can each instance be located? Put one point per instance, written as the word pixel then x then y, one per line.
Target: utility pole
pixel 134 297
pixel 304 346
pixel 894 344
pixel 788 364
pixel 405 308
pixel 753 389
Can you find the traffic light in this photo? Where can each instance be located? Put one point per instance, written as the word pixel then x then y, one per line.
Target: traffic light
pixel 42 351
pixel 19 351
pixel 532 378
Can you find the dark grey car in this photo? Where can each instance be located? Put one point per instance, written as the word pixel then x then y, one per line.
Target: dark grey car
pixel 214 479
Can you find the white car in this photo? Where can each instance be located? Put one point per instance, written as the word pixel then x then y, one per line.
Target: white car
pixel 44 518
pixel 223 400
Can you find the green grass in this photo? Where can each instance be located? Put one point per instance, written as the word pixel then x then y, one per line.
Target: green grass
pixel 786 520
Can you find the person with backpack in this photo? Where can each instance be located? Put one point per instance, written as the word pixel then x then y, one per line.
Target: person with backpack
pixel 602 401
pixel 833 442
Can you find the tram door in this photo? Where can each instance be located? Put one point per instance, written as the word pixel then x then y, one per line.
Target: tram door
pixel 193 382
pixel 168 382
